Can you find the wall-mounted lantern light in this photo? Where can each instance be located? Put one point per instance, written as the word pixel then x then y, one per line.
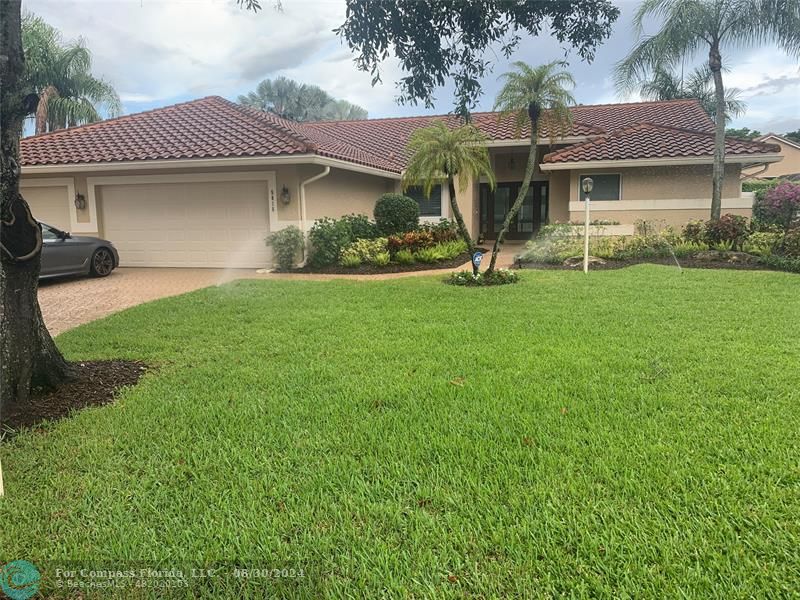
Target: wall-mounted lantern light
pixel 80 201
pixel 286 197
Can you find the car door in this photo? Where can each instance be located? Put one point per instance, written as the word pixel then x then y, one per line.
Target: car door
pixel 61 254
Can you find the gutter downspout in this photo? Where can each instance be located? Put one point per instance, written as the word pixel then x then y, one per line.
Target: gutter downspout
pixel 325 172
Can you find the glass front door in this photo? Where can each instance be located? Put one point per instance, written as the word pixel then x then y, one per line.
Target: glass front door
pixel 495 206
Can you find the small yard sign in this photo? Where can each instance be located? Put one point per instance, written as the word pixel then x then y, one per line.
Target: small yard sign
pixel 476 262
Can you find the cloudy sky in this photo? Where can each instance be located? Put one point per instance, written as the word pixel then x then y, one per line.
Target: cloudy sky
pixel 159 52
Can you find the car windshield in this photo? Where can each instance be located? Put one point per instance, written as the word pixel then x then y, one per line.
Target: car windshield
pixel 48 233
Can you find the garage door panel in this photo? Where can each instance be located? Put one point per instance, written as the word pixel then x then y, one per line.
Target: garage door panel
pixel 208 224
pixel 49 204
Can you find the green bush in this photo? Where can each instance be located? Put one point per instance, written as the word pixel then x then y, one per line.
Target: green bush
pixel 729 230
pixel 286 245
pixel 694 231
pixel 365 250
pixel 790 246
pixel 396 213
pixel 429 255
pixel 443 231
pixel 498 277
pixel 781 263
pixel 351 261
pixel 328 237
pixel 404 257
pixel 763 243
pixel 450 250
pixel 382 259
pixel 361 228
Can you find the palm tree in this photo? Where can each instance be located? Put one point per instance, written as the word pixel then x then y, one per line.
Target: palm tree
pixel 342 110
pixel 693 25
pixel 535 96
pixel 665 85
pixel 437 153
pixel 60 75
pixel 300 101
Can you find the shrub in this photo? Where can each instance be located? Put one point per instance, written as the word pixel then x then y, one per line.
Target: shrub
pixel 429 255
pixel 782 263
pixel 694 231
pixel 382 259
pixel 443 231
pixel 404 257
pixel 351 261
pixel 782 204
pixel 412 241
pixel 759 186
pixel 396 213
pixel 328 238
pixel 286 245
pixel 763 217
pixel 498 277
pixel 365 250
pixel 790 247
pixel 729 230
pixel 763 243
pixel 361 228
pixel 450 250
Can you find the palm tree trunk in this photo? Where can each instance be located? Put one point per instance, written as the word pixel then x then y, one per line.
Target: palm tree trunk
pixel 42 112
pixel 523 191
pixel 462 228
pixel 28 354
pixel 718 172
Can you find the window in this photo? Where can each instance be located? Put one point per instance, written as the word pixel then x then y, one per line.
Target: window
pixel 428 207
pixel 49 234
pixel 606 186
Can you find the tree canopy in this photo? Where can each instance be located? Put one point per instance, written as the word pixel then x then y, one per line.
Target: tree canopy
pixel 300 102
pixel 664 84
pixel 743 133
pixel 439 40
pixel 59 73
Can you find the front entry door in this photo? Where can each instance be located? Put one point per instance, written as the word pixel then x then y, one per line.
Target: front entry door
pixel 495 205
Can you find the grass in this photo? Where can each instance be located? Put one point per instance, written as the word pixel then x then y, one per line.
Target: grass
pixel 634 433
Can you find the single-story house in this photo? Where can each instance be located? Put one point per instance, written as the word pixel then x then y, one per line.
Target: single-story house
pixel 202 183
pixel 790 165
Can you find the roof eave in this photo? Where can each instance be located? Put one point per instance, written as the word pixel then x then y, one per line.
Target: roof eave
pixel 204 163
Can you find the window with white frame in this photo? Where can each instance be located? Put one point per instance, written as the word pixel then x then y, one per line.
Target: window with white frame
pixel 428 206
pixel 607 186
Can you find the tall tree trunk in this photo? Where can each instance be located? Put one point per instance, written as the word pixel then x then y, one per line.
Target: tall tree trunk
pixel 718 172
pixel 42 117
pixel 533 113
pixel 28 355
pixel 462 228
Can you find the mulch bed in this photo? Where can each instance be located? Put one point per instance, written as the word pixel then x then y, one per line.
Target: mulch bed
pixel 367 269
pixel 97 384
pixel 686 263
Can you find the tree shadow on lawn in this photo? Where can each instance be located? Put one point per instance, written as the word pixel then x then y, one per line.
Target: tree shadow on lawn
pixel 97 384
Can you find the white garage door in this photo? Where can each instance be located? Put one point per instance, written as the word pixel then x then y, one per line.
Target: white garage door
pixel 48 204
pixel 197 224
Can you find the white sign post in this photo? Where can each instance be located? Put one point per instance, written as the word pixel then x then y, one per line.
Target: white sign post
pixel 587 188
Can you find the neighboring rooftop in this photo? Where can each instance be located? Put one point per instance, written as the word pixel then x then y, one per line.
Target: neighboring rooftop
pixel 646 140
pixel 213 127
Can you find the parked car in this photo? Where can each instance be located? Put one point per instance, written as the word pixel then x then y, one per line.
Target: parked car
pixel 67 254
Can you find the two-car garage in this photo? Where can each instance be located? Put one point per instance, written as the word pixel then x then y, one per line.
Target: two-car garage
pixel 212 220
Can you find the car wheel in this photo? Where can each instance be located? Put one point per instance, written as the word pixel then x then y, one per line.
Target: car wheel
pixel 102 262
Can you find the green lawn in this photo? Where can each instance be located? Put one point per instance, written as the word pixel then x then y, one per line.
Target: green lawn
pixel 631 433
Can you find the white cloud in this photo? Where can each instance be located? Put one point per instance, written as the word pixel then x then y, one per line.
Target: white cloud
pixel 157 52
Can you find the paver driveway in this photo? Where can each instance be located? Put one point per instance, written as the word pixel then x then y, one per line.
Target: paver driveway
pixel 67 303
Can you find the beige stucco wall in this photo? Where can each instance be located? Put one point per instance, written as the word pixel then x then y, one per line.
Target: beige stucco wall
pixel 342 192
pixel 662 195
pixel 788 166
